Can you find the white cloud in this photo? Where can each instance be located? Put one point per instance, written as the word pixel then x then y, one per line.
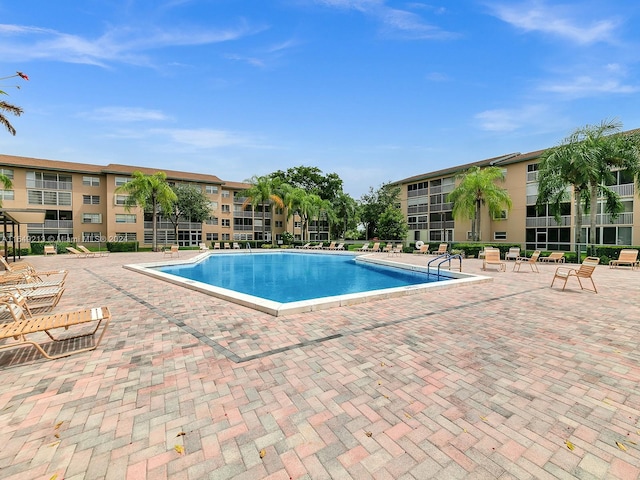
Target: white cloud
pixel 557 20
pixel 126 114
pixel 585 86
pixel 203 138
pixel 509 120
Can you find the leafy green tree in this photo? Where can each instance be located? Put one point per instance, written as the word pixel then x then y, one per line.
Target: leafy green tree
pixel 191 205
pixel 263 192
pixel 311 180
pixel 392 224
pixel 374 204
pixel 477 187
pixel 9 108
pixel 151 193
pixel 346 210
pixel 583 162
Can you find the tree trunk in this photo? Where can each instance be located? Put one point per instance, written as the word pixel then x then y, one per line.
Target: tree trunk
pixel 592 214
pixel 476 235
pixel 154 230
pixel 578 235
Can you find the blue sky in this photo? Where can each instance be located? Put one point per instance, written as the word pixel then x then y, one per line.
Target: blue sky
pixel 373 90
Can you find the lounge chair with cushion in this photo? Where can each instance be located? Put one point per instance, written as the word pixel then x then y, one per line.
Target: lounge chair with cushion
pixel 513 253
pixel 22 327
pixel 557 257
pixel 532 261
pixel 492 257
pixel 628 257
pixel 584 272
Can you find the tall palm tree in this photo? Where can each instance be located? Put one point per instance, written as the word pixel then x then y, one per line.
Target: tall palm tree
pixel 149 192
pixel 263 191
pixel 346 208
pixel 8 108
pixel 477 187
pixel 584 163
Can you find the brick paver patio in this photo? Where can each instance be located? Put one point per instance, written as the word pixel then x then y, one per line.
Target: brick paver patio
pixel 496 380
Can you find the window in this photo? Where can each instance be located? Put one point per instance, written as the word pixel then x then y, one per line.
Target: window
pixel 297 224
pixel 213 206
pixel 226 236
pixel 278 224
pixel 91 181
pixel 7 172
pixel 225 194
pixel 48 180
pixel 120 199
pixel 212 237
pixel 501 216
pixel 91 236
pixel 225 208
pixel 126 237
pixel 125 218
pixel 91 218
pixel 211 189
pixel 6 194
pixel 122 181
pixel 212 221
pixel 226 222
pixel 40 197
pixel 91 199
pixel 499 235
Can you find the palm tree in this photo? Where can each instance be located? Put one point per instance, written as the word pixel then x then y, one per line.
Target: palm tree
pixel 149 192
pixel 346 208
pixel 7 107
pixel 6 181
pixel 477 187
pixel 263 191
pixel 584 163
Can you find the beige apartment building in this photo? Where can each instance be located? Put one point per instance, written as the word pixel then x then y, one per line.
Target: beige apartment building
pixel 430 219
pixel 64 201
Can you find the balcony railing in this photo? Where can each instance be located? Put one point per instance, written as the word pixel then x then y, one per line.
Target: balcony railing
pixel 417 193
pixel 626 190
pixel 418 209
pixel 565 221
pixel 607 219
pixel 49 184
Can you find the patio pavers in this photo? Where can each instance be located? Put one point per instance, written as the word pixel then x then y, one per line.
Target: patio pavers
pixel 493 380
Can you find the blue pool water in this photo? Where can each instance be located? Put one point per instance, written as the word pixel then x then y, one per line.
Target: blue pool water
pixel 291 277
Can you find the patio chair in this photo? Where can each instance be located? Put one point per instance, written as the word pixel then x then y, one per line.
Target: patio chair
pixel 332 246
pixel 557 257
pixel 22 326
pixel 236 246
pixel 532 262
pixel 87 252
pixel 340 246
pixel 376 247
pixel 584 272
pixel 24 272
pixel 227 246
pixel 76 252
pixel 173 250
pixel 492 257
pixel 50 250
pixel 397 250
pixel 513 253
pixel 364 248
pixel 627 256
pixel 42 299
pixel 216 246
pixel 203 246
pixel 388 247
pixel 304 247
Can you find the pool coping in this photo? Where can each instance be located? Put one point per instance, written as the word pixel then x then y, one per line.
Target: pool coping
pixel 278 309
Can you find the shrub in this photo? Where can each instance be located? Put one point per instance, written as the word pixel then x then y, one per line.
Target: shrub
pixel 122 246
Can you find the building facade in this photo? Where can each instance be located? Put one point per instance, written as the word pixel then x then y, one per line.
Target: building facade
pixel 79 203
pixel 429 215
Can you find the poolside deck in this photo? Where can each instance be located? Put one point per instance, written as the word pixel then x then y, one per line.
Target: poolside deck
pixel 487 381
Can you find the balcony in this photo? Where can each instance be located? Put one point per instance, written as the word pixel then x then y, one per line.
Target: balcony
pixel 626 190
pixel 565 221
pixel 607 219
pixel 52 224
pixel 417 193
pixel 49 184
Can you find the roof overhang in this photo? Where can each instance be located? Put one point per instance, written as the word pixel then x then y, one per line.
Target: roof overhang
pixel 18 216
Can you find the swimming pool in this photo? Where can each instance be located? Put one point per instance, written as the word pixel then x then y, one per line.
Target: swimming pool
pixel 250 279
pixel 288 277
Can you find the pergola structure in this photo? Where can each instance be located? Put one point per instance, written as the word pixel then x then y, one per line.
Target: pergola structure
pixel 11 221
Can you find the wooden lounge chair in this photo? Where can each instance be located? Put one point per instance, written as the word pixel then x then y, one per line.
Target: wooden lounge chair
pixel 513 253
pixel 174 250
pixel 585 271
pixel 557 257
pixel 628 257
pixel 50 250
pixel 492 257
pixel 22 326
pixel 532 262
pixel 87 252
